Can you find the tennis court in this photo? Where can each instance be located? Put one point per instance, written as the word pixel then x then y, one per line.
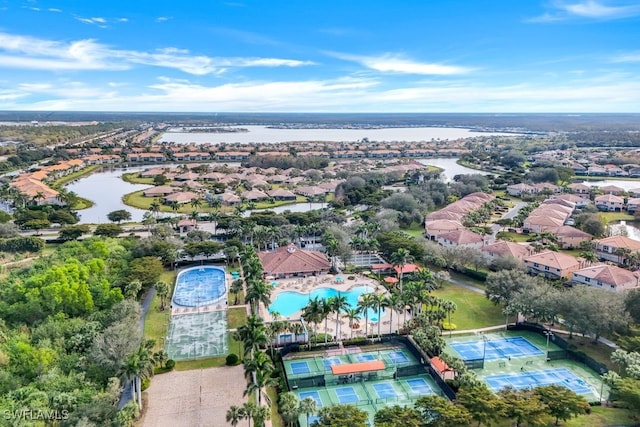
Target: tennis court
pixel 496 348
pixel 527 379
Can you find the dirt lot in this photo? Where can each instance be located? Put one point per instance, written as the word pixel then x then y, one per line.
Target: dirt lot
pixel 193 398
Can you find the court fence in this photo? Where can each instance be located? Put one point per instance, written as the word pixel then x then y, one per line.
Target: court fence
pixel 566 347
pixel 474 363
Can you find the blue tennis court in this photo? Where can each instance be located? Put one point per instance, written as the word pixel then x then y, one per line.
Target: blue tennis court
pixel 365 357
pixel 419 386
pixel 347 395
pixel 527 379
pixel 398 357
pixel 492 349
pixel 330 361
pixel 312 394
pixel 385 390
pixel 299 368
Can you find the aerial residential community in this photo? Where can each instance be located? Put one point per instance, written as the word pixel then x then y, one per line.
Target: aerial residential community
pixel 296 285
pixel 320 213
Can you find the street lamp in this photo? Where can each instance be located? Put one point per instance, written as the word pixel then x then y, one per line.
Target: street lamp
pixel 601 384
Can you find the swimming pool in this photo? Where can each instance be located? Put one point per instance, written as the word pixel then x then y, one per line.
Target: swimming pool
pixel 290 302
pixel 200 286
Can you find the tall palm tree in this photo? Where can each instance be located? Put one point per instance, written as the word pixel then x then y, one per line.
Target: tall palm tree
pixel 399 259
pixel 325 310
pixel 162 289
pixel 253 335
pixel 449 307
pixel 365 303
pixel 312 313
pixel 394 302
pixel 338 304
pixel 235 289
pixel 249 410
pixel 258 291
pixel 234 415
pixel 258 370
pixel 353 314
pixel 155 207
pixel 379 302
pixel 308 407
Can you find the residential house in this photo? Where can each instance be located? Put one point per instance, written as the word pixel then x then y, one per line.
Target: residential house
pixel 609 277
pixel 433 229
pixel 186 225
pixel 612 189
pixel 609 203
pixel 255 195
pixel 520 189
pixel 552 265
pixel 281 194
pixel 615 248
pixel 570 237
pixel 461 238
pixel 579 202
pixel 161 190
pixel 633 205
pixel 580 189
pixel 502 248
pixel 181 198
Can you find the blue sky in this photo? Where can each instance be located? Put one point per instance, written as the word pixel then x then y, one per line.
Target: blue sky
pixel 321 56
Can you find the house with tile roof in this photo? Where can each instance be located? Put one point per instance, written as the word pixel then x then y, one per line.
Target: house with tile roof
pixel 552 265
pixel 461 238
pixel 607 249
pixel 570 237
pixel 291 261
pixel 609 277
pixel 502 248
pixel 609 203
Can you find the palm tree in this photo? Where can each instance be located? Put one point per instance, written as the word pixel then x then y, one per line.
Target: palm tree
pixel 380 302
pixel 258 370
pixel 234 415
pixel 338 304
pixel 312 313
pixel 394 302
pixel 196 203
pixel 261 414
pixel 449 307
pixel 235 289
pixel 155 207
pixel 399 259
pixel 325 311
pixel 353 314
pixel 162 289
pixel 365 303
pixel 308 406
pixel 249 410
pixel 622 253
pixel 253 335
pixel 258 291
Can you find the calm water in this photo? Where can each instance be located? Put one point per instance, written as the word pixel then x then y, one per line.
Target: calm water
pixel 262 134
pixel 627 185
pixel 289 302
pixel 631 230
pixel 450 168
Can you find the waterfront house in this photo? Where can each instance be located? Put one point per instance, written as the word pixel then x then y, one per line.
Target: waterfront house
pixel 609 203
pixel 615 248
pixel 609 277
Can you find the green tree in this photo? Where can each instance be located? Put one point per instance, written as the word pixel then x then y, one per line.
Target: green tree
pixel 399 259
pixel 145 269
pixel 523 406
pixel 288 404
pixel 502 286
pixel 119 216
pixel 437 411
pixel 562 403
pixel 483 405
pixel 234 415
pixel 393 416
pixel 108 230
pixel 162 289
pixel 308 407
pixel 73 232
pixel 341 416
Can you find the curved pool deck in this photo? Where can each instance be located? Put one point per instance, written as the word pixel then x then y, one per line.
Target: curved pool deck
pixel 200 286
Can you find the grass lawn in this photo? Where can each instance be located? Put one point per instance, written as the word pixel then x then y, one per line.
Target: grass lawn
pixel 599 417
pixel 616 216
pixel 134 178
pixel 416 230
pixel 515 237
pixel 156 323
pixel 599 352
pixel 276 419
pixel 211 362
pixel 474 309
pixel 236 317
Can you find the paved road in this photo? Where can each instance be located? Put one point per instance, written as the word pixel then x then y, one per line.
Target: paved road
pixel 510 214
pixel 127 391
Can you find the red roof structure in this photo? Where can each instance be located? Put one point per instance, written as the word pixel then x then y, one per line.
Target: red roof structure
pixel 353 368
pixel 390 279
pixel 291 261
pixel 407 268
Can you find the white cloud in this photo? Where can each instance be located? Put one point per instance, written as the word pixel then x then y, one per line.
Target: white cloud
pixel 162 18
pixel 33 53
pixel 54 9
pixel 627 57
pixel 395 64
pixel 588 9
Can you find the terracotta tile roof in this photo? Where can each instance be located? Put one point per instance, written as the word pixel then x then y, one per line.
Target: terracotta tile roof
pixel 439 364
pixel 292 260
pixel 554 260
pixel 569 231
pixel 502 248
pixel 461 237
pixel 608 198
pixel 619 242
pixel 610 275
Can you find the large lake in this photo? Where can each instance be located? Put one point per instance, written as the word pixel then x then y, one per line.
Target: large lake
pixel 263 134
pixel 627 185
pixel 106 188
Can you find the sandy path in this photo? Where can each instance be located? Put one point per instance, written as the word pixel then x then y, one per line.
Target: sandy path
pixel 193 398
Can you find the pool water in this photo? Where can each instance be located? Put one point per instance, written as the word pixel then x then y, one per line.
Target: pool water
pixel 289 302
pixel 199 286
